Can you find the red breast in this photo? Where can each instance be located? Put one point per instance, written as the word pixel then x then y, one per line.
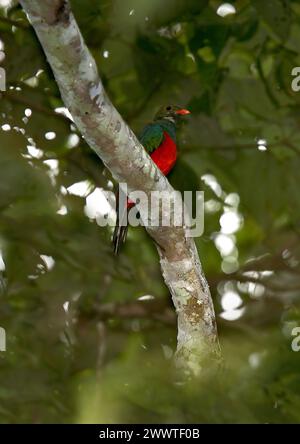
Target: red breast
pixel 164 157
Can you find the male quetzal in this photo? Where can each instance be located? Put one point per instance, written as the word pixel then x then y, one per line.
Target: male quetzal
pixel 159 140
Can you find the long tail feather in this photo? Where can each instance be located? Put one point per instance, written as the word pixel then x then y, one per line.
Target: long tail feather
pixel 119 237
pixel 121 227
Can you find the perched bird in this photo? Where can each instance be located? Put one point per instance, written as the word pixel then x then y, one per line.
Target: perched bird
pixel 159 140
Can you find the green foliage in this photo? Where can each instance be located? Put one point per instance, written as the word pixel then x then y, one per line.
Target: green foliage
pixel 78 337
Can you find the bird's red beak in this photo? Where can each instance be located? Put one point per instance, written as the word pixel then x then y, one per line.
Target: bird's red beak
pixel 183 112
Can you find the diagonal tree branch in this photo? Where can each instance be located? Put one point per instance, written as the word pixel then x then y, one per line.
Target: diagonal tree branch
pixel 109 136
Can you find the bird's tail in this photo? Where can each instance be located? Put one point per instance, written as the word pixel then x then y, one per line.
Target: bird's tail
pixel 121 227
pixel 119 237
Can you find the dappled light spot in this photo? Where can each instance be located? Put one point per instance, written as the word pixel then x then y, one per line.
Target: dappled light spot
pixel 53 165
pixel 34 152
pixel 191 56
pixel 99 206
pixel 230 222
pixel 32 82
pixel 63 190
pixel 53 171
pixel 212 206
pixel 225 244
pixel 231 300
pixel 262 145
pixel 81 189
pixel 146 297
pixel 73 140
pixel 62 211
pixel 64 111
pixel 255 359
pixel 2 264
pixel 110 185
pixel 226 9
pixel 232 199
pixel 19 130
pixel 230 264
pixel 212 182
pixel 48 260
pixel 50 135
pixel 33 277
pixel 5 3
pixel 66 306
pixel 28 112
pixel 262 148
pixel 256 290
pixel 233 315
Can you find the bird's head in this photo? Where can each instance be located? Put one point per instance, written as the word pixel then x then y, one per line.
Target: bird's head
pixel 171 113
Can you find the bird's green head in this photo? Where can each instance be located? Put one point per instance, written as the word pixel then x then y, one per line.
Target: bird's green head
pixel 171 113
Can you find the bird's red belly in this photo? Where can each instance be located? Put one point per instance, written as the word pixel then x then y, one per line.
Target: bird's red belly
pixel 165 155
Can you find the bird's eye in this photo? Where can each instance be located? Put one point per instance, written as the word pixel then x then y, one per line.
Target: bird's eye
pixel 168 108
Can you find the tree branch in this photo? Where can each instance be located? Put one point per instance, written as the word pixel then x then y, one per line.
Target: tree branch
pixel 109 136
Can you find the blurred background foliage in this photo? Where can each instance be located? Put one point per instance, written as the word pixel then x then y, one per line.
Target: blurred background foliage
pixel 90 336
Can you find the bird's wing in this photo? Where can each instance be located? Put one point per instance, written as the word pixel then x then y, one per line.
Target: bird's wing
pixel 151 137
